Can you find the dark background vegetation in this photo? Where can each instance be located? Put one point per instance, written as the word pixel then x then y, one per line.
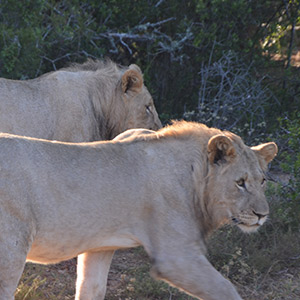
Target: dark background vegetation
pixel 173 41
pixel 233 64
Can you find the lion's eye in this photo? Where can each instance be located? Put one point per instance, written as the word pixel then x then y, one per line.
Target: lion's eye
pixel 241 183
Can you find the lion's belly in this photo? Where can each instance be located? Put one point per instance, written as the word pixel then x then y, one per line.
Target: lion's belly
pixel 46 252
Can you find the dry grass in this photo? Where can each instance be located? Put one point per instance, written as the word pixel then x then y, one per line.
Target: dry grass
pixel 41 282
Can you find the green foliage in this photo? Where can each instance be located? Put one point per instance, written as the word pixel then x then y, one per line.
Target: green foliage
pixel 290 163
pixel 291 157
pixel 170 40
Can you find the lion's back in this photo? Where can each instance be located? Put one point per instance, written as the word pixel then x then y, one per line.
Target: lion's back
pixel 23 110
pixel 54 106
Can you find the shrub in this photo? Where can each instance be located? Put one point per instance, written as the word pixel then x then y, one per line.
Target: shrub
pixel 289 210
pixel 231 98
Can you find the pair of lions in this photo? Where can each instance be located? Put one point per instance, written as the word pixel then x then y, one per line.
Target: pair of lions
pixel 164 190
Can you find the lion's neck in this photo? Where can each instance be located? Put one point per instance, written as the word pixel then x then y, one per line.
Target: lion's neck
pixel 206 224
pixel 106 113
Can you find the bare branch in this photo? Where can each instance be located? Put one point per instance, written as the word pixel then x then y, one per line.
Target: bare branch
pixel 150 33
pixel 159 3
pixel 121 36
pixel 153 25
pixel 124 44
pixel 230 98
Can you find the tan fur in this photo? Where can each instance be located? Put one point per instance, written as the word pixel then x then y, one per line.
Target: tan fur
pixel 93 101
pixel 163 190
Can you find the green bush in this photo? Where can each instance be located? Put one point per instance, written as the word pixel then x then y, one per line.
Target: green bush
pixel 290 164
pixel 170 40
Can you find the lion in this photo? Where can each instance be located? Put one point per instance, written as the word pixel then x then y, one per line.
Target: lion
pixel 165 190
pixel 86 102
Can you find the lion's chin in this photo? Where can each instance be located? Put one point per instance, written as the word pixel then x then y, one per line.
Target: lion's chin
pixel 248 228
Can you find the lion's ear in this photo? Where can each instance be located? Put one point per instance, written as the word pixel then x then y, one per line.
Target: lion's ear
pixel 266 151
pixel 132 80
pixel 220 148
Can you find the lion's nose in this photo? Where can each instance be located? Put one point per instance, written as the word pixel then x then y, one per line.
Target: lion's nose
pixel 260 216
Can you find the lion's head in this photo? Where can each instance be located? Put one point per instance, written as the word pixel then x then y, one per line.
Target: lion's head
pixel 229 176
pixel 236 181
pixel 119 96
pixel 138 110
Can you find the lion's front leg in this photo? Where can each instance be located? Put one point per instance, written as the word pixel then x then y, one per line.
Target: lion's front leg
pixel 194 275
pixel 92 271
pixel 15 241
pixel 11 268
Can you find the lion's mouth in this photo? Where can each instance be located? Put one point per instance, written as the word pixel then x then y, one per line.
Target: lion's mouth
pixel 244 226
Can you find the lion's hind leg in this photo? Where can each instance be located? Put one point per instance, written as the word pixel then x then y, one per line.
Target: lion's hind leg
pixel 92 272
